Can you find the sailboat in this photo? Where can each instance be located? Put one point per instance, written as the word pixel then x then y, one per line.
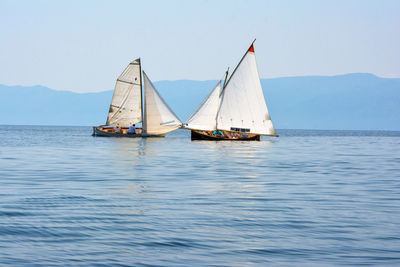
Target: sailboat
pixel 128 108
pixel 238 111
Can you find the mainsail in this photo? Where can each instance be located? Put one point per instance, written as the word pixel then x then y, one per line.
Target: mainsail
pixel 243 106
pixel 205 116
pixel 158 117
pixel 126 104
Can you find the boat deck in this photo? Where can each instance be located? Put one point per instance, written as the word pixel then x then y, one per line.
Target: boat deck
pixel 111 131
pixel 221 135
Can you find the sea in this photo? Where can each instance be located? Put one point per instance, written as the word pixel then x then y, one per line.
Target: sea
pixel 307 198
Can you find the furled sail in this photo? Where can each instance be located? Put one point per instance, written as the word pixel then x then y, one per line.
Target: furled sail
pixel 243 106
pixel 205 116
pixel 126 104
pixel 158 117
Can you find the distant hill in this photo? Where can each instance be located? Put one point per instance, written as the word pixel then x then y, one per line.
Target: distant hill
pixel 38 105
pixel 354 101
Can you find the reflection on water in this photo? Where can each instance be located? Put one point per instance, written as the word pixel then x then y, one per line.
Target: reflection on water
pixel 127 149
pixel 308 197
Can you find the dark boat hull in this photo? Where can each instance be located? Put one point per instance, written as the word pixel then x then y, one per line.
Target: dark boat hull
pixel 110 132
pixel 221 135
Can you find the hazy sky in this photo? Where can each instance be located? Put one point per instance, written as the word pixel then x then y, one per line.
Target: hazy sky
pixel 83 46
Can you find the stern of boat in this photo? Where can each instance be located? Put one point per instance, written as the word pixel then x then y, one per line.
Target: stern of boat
pixel 94 131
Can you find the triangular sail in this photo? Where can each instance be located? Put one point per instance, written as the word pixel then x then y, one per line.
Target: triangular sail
pixel 158 117
pixel 205 116
pixel 243 106
pixel 126 104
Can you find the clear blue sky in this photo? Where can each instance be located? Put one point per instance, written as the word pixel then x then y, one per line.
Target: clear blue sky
pixel 83 46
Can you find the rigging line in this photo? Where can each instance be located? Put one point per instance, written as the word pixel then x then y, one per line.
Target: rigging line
pixel 247 51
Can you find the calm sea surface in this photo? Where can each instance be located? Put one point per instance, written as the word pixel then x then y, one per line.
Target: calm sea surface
pixel 305 198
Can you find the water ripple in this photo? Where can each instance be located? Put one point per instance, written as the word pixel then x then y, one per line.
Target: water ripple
pixel 308 198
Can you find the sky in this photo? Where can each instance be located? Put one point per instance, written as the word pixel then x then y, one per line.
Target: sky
pixel 83 46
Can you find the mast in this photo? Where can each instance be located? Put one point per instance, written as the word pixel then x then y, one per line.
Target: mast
pixel 141 90
pixel 144 122
pixel 226 76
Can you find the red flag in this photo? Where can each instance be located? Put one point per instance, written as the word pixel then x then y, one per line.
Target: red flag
pixel 251 49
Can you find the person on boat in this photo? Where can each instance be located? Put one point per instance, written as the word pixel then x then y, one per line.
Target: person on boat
pixel 132 129
pixel 217 133
pixel 117 129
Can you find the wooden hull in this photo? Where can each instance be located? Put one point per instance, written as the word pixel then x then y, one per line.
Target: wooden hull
pixel 110 132
pixel 221 135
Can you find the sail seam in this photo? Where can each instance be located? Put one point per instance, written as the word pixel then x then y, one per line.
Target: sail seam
pixel 127 82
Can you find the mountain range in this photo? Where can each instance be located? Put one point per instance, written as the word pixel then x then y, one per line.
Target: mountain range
pixel 357 101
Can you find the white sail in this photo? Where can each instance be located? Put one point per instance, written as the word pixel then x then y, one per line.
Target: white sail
pixel 243 106
pixel 205 116
pixel 126 104
pixel 158 117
